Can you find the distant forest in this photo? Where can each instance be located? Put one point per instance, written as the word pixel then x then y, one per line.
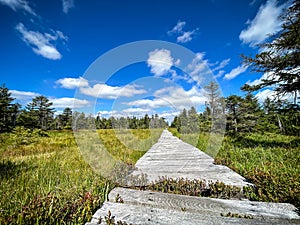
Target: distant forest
pixel 240 114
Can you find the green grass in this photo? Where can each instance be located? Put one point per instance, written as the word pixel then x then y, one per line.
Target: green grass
pixel 45 179
pixel 270 161
pixel 128 145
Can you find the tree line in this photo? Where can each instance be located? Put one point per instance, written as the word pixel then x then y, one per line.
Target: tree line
pixel 240 114
pixel 40 114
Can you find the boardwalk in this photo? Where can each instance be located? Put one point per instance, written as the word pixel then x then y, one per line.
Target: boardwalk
pixel 173 158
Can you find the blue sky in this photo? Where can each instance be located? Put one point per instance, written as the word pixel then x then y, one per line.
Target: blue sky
pixel 48 47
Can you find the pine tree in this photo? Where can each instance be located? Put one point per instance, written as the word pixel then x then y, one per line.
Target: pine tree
pixel 213 95
pixel 280 58
pixel 233 104
pixel 40 113
pixel 193 120
pixel 8 110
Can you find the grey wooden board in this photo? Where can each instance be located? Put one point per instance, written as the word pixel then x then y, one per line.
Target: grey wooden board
pixel 146 207
pixel 171 157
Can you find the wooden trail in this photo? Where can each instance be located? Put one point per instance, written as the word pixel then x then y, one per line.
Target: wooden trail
pixel 171 157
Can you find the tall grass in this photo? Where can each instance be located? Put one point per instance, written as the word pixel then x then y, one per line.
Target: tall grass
pixel 129 145
pixel 44 179
pixel 270 161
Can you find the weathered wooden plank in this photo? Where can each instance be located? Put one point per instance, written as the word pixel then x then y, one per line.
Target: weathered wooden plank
pixel 146 207
pixel 171 157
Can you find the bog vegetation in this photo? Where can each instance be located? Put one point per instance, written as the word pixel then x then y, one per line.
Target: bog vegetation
pixel 45 180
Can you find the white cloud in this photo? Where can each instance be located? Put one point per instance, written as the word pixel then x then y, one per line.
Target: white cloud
pixel 71 83
pixel 266 22
pixel 160 61
pixel 269 93
pixel 172 97
pixel 262 95
pixel 111 92
pixel 41 43
pixel 235 72
pixel 221 65
pixel 220 73
pixel 169 116
pixel 136 111
pixel 18 5
pixel 23 95
pixel 27 96
pixel 198 68
pixel 178 27
pixel 265 76
pixel 107 113
pixel 69 102
pixel 149 103
pixel 67 5
pixel 185 37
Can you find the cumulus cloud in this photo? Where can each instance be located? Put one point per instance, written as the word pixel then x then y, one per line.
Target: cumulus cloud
pixel 67 5
pixel 169 115
pixel 269 93
pixel 262 95
pixel 107 113
pixel 136 111
pixel 111 92
pixel 172 97
pixel 27 96
pixel 265 76
pixel 69 102
pixel 72 83
pixel 23 95
pixel 18 5
pixel 160 61
pixel 42 44
pixel 266 22
pixel 235 72
pixel 198 68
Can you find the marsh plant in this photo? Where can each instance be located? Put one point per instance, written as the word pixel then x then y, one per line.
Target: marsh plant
pixel 200 188
pixel 44 178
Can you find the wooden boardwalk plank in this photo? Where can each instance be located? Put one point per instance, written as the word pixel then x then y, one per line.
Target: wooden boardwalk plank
pixel 146 207
pixel 171 157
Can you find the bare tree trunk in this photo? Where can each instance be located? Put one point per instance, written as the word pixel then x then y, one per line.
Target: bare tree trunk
pixel 280 124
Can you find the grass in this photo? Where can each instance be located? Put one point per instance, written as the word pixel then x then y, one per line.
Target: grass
pixel 128 145
pixel 270 161
pixel 44 178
